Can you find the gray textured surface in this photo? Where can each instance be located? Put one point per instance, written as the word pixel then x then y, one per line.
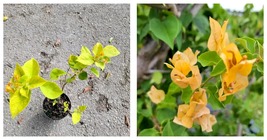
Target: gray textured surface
pixel 32 29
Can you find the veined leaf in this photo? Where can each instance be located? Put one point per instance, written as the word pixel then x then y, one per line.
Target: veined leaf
pixel 36 81
pixel 51 90
pixel 149 132
pixel 18 103
pixel 209 58
pixel 100 65
pixel 166 30
pixel 56 73
pixel 18 71
pixel 186 94
pixel 172 129
pixel 76 117
pixel 85 57
pixel 31 68
pixel 111 51
pixel 218 69
pixel 95 72
pixel 98 49
pixel 247 43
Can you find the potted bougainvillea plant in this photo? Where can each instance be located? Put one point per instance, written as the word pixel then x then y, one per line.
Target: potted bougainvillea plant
pixel 56 104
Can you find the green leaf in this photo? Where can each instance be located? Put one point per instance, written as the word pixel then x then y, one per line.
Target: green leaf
pixel 76 117
pixel 18 71
pixel 98 49
pixel 156 77
pixel 71 79
pixel 173 89
pixel 95 72
pixel 164 114
pixel 168 102
pixel 56 73
pixel 51 90
pixel 247 43
pixel 82 108
pixel 100 65
pixel 149 132
pixel 213 98
pixel 83 75
pixel 18 103
pixel 74 64
pixel 218 69
pixel 186 94
pixel 111 51
pixel 24 91
pixel 31 68
pixel 85 57
pixel 228 99
pixel 172 129
pixel 186 18
pixel 166 30
pixel 179 41
pixel 202 23
pixel 260 67
pixel 35 82
pixel 209 58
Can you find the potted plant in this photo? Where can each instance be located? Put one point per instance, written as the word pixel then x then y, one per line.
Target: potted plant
pixel 57 104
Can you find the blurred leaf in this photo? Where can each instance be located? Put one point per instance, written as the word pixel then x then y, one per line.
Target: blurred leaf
pixel 51 90
pixel 202 23
pixel 173 89
pixel 31 68
pixel 209 58
pixel 36 81
pixel 95 72
pixel 149 132
pixel 156 77
pixel 213 98
pixel 168 102
pixel 228 99
pixel 18 103
pixel 179 41
pixel 186 94
pixel 100 65
pixel 83 75
pixel 260 67
pixel 218 69
pixel 165 114
pixel 85 57
pixel 111 51
pixel 186 18
pixel 247 43
pixel 172 129
pixel 56 73
pixel 166 30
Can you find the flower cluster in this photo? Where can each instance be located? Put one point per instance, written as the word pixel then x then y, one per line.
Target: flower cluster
pixel 185 73
pixel 237 67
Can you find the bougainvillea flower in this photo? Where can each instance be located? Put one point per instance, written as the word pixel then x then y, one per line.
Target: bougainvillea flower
pixel 195 111
pixel 182 65
pixel 206 122
pixel 155 95
pixel 237 71
pixel 218 37
pixel 199 97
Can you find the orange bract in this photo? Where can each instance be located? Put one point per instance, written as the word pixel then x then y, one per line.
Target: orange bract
pixel 155 95
pixel 218 37
pixel 183 64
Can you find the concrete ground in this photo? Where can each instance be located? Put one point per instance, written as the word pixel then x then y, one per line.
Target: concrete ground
pixel 50 33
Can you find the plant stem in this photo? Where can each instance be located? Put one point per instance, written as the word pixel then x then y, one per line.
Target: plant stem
pixel 203 84
pixel 67 82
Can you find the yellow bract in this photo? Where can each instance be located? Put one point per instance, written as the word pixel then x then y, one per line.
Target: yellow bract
pixel 155 95
pixel 183 64
pixel 218 37
pixel 196 111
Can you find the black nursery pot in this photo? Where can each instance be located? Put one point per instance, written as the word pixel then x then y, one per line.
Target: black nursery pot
pixel 55 109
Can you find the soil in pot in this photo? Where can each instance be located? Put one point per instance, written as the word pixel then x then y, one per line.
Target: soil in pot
pixel 55 109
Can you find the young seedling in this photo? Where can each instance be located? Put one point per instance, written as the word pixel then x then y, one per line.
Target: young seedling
pixel 26 77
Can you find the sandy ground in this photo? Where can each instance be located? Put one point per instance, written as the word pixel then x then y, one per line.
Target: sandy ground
pixel 32 31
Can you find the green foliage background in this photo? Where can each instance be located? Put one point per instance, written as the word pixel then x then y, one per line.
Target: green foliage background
pixel 242 113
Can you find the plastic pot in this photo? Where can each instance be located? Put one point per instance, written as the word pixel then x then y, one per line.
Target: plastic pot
pixel 55 108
